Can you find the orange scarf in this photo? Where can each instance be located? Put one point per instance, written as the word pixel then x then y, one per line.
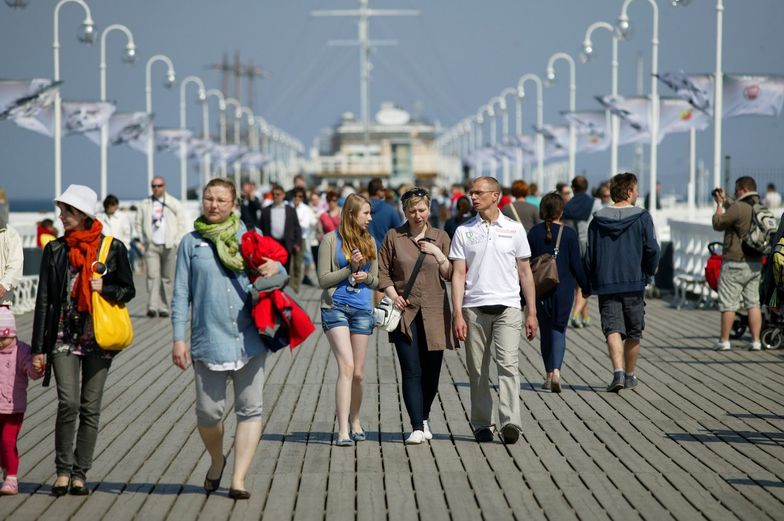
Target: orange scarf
pixel 83 246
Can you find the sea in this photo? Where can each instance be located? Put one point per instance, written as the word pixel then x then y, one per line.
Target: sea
pixel 31 205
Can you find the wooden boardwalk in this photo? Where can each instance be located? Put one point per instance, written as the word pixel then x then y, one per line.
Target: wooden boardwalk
pixel 702 437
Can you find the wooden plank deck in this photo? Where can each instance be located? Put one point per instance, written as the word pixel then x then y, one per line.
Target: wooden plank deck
pixel 701 438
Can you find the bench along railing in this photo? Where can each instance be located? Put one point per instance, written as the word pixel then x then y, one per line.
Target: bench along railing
pixel 689 255
pixel 24 294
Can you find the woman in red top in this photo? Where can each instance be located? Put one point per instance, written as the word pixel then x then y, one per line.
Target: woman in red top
pixel 330 220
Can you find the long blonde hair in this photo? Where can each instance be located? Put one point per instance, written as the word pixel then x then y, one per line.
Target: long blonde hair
pixel 353 235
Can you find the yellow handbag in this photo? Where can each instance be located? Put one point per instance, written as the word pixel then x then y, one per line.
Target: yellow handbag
pixel 111 322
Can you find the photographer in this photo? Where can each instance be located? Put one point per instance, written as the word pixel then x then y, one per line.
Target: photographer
pixel 740 270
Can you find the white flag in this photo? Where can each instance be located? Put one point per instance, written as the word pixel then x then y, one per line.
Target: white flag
pixel 198 147
pixel 593 135
pixel 254 160
pixel 697 89
pixel 525 142
pixel 678 115
pixel 169 139
pixel 675 115
pixel 753 95
pixel 556 141
pixel 78 117
pixel 124 127
pixel 20 98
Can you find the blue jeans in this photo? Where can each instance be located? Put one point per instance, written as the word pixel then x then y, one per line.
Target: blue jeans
pixel 358 321
pixel 420 369
pixel 552 344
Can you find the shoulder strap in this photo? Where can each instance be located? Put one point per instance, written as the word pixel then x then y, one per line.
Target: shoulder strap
pixel 514 211
pixel 103 252
pixel 558 240
pixel 412 278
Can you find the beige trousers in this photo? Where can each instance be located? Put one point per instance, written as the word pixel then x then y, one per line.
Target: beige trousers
pixel 161 263
pixel 488 334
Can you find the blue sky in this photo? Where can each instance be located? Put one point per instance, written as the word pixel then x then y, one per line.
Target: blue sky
pixel 449 61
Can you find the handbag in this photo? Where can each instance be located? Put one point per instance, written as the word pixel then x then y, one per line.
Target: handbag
pixel 111 322
pixel 386 315
pixel 545 269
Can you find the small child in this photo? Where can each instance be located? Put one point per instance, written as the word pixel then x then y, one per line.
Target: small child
pixel 16 365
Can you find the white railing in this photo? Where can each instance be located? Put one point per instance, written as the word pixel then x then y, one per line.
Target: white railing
pixel 24 294
pixel 689 255
pixel 372 166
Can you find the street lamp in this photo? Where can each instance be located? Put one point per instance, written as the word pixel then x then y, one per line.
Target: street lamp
pixel 222 122
pixel 253 140
pixel 623 30
pixel 237 115
pixel 171 79
pixel 588 54
pixel 572 101
pixel 128 57
pixel 539 121
pixel 183 123
pixel 718 86
pixel 86 36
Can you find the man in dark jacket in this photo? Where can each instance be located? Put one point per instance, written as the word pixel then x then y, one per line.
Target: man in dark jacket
pixel 385 216
pixel 621 257
pixel 279 221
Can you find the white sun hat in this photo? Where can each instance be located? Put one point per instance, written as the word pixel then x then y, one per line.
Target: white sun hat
pixel 81 197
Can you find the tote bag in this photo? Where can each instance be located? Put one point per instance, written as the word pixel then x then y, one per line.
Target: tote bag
pixel 111 322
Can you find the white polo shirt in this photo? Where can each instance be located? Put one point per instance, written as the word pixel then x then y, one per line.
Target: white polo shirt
pixel 491 252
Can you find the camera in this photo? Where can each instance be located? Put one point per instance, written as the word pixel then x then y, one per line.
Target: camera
pixel 717 191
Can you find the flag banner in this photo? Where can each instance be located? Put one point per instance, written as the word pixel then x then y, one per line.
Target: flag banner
pixel 678 115
pixel 169 139
pixel 24 98
pixel 198 147
pixel 227 153
pixel 636 110
pixel 675 115
pixel 524 142
pixel 254 160
pixel 593 133
pixel 746 95
pixel 556 141
pixel 78 117
pixel 125 127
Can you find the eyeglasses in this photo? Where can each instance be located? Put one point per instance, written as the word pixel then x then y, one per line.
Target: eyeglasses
pixel 157 186
pixel 414 192
pixel 480 192
pixel 219 202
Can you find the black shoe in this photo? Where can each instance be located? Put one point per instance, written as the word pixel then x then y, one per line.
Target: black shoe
pixel 163 314
pixel 211 485
pixel 306 280
pixel 617 382
pixel 483 435
pixel 510 434
pixel 60 490
pixel 79 490
pixel 235 493
pixel 152 314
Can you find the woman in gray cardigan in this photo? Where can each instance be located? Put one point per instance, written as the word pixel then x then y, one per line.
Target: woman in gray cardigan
pixel 348 273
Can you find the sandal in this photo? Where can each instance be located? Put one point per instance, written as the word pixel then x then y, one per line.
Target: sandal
pixel 211 485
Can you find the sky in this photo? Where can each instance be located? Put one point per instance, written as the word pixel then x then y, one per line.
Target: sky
pixel 450 60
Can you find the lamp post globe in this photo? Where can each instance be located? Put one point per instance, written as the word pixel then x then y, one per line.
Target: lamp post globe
pixel 129 56
pixel 680 3
pixel 171 81
pixel 87 34
pixel 623 28
pixel 587 54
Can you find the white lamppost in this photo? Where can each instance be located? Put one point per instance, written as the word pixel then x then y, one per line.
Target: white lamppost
pixel 170 81
pixel 183 123
pixel 623 29
pixel 253 140
pixel 503 107
pixel 550 74
pixel 718 86
pixel 237 115
pixel 264 146
pixel 539 121
pixel 588 54
pixel 86 36
pixel 222 122
pixel 128 57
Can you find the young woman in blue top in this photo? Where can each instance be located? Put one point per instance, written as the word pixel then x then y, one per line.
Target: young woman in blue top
pixel 554 308
pixel 348 273
pixel 211 280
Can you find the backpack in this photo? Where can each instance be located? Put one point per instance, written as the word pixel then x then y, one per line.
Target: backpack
pixel 776 263
pixel 763 227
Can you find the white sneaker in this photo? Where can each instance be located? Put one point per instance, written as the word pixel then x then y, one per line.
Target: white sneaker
pixel 415 438
pixel 428 433
pixel 755 346
pixel 722 346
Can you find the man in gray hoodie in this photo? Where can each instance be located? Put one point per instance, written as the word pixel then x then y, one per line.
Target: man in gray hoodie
pixel 621 257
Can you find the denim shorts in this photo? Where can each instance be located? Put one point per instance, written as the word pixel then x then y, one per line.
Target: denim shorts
pixel 358 321
pixel 623 313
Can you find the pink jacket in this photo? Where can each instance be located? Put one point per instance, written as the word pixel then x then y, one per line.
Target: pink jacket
pixel 16 366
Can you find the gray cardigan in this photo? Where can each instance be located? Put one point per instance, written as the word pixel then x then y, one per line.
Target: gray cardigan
pixel 330 274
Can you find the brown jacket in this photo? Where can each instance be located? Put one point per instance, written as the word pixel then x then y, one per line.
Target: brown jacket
pixel 396 261
pixel 735 222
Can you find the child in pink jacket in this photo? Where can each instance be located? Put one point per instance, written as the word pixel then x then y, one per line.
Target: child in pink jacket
pixel 16 366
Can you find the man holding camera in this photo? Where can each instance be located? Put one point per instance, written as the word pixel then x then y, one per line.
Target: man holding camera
pixel 739 278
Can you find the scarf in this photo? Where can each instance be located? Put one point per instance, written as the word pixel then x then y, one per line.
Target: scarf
pixel 83 251
pixel 224 236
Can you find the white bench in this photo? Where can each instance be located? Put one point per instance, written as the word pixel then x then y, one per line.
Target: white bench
pixel 689 256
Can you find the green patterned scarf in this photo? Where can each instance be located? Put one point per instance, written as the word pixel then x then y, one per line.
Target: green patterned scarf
pixel 224 236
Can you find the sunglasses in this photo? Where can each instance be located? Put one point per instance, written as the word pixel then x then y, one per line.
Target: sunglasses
pixel 157 186
pixel 414 192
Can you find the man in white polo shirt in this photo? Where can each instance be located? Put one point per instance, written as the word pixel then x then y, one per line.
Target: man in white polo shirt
pixel 486 306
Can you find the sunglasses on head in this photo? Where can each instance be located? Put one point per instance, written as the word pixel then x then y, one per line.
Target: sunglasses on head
pixel 414 192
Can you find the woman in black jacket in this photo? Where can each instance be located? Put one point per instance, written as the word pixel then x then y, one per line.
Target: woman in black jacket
pixel 63 337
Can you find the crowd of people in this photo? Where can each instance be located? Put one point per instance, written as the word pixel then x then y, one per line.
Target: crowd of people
pixel 356 244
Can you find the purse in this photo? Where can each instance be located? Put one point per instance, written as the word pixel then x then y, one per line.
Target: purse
pixel 111 322
pixel 386 315
pixel 545 269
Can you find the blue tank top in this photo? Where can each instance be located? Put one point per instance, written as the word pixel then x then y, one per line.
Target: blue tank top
pixel 358 296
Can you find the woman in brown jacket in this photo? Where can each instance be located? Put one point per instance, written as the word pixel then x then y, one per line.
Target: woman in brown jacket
pixel 426 324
